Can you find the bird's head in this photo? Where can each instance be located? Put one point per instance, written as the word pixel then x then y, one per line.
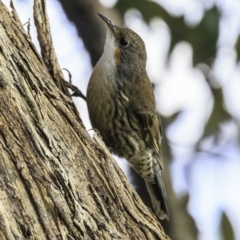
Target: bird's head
pixel 124 47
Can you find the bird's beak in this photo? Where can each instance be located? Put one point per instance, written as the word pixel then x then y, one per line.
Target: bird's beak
pixel 109 23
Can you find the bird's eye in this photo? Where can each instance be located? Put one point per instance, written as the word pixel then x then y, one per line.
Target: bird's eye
pixel 124 42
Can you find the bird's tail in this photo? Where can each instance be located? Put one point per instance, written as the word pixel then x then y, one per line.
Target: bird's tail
pixel 158 196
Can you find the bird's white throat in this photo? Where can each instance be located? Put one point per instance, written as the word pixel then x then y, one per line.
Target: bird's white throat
pixel 109 48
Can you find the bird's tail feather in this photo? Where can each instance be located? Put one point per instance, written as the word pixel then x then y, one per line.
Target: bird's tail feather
pixel 158 196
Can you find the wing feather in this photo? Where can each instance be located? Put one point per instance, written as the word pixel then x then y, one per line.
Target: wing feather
pixel 141 111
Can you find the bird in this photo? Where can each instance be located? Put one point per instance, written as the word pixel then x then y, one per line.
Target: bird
pixel 122 107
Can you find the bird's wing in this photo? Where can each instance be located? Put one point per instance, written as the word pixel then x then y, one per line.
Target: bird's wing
pixel 149 128
pixel 144 119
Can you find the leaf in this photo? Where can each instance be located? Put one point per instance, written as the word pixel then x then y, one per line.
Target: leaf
pixel 218 115
pixel 226 228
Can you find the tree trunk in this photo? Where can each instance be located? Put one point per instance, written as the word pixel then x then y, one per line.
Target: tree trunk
pixel 57 182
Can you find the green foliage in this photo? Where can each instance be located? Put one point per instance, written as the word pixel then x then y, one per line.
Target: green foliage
pixel 226 227
pixel 238 48
pixel 218 115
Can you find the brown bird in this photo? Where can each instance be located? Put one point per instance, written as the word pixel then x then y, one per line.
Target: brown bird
pixel 122 108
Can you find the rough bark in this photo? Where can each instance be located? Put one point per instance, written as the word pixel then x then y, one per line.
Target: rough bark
pixel 56 181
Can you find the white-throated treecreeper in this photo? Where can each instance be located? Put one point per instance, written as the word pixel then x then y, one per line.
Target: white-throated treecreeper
pixel 122 108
